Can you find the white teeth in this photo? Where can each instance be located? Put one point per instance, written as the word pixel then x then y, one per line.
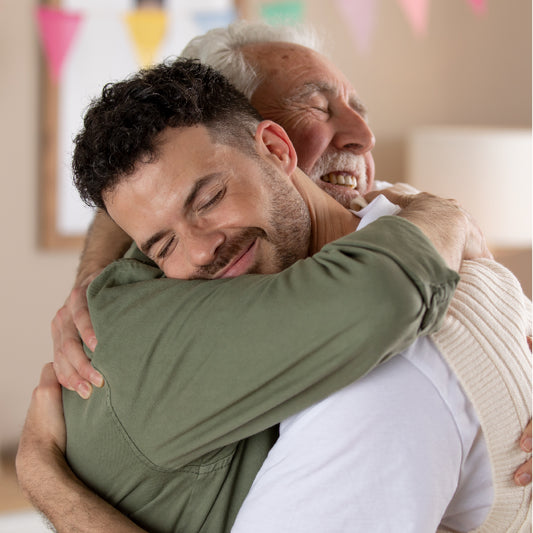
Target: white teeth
pixel 340 179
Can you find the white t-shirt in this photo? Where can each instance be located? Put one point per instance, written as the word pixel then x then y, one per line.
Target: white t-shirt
pixel 400 450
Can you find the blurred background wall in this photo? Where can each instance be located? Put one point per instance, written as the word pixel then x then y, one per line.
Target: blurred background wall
pixel 466 69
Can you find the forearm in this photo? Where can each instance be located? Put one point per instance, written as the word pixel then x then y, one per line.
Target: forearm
pixel 45 476
pixel 71 507
pixel 105 243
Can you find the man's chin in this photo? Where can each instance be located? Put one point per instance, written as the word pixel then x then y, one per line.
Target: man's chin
pixel 343 194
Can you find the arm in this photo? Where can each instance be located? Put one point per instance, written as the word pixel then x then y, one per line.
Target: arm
pixel 412 211
pixel 476 247
pixel 72 367
pixel 105 243
pixel 42 470
pixel 289 353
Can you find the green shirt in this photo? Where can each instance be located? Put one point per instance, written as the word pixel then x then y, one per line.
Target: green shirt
pixel 198 374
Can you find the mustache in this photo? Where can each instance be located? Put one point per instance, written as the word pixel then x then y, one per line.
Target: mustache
pixel 227 251
pixel 338 161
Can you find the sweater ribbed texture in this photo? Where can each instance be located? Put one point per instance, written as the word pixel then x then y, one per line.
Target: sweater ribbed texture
pixel 483 339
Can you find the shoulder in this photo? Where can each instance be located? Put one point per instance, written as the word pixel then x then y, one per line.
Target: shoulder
pixel 123 272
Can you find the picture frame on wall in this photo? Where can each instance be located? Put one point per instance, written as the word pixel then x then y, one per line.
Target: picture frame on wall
pixel 105 47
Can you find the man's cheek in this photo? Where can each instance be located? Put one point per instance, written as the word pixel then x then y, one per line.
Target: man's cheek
pixel 310 145
pixel 371 170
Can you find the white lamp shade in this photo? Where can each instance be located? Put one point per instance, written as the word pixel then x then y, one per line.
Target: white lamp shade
pixel 487 170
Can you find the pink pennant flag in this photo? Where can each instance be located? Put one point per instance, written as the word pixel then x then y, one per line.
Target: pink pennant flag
pixel 57 28
pixel 479 6
pixel 360 16
pixel 417 14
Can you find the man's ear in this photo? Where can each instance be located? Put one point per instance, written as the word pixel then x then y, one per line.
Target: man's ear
pixel 272 139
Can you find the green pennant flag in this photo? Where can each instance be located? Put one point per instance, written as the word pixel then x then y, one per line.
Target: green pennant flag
pixel 290 12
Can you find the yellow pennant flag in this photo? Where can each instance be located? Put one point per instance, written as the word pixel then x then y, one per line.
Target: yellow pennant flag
pixel 147 29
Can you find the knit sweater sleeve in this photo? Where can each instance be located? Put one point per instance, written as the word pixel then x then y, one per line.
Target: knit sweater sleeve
pixel 484 341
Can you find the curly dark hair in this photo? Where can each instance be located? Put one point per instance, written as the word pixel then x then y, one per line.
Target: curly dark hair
pixel 122 125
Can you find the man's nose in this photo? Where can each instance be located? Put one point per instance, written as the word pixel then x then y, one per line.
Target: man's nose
pixel 202 245
pixel 353 133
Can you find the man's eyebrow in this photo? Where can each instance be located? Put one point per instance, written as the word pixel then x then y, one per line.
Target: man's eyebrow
pixel 307 89
pixel 197 187
pixel 324 88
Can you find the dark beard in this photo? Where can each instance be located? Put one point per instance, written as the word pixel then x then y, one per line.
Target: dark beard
pixel 228 251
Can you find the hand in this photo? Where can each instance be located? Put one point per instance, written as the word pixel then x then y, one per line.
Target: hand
pixel 523 474
pixel 450 228
pixel 72 367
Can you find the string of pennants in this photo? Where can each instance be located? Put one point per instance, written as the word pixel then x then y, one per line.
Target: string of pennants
pixel 58 27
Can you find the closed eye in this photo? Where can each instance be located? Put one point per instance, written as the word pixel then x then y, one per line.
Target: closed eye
pixel 213 200
pixel 164 251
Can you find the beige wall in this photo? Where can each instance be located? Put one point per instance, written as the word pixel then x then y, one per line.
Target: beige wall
pixel 468 70
pixel 34 282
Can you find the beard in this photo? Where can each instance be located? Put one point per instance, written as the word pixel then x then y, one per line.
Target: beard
pixel 289 216
pixel 346 162
pixel 289 232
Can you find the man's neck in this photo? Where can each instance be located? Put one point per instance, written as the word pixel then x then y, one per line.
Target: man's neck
pixel 329 219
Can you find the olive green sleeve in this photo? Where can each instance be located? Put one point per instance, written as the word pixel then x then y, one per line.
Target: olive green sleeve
pixel 206 363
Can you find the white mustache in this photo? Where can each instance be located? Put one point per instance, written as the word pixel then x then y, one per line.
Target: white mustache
pixel 340 161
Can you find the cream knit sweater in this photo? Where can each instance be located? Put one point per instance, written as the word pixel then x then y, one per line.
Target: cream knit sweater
pixel 483 340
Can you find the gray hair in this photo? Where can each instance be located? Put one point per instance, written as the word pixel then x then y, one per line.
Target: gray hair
pixel 220 48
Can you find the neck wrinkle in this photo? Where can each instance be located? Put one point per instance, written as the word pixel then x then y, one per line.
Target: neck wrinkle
pixel 329 219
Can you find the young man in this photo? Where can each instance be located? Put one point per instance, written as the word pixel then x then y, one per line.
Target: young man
pixel 209 198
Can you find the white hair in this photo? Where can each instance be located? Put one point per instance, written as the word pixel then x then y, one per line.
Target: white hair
pixel 221 48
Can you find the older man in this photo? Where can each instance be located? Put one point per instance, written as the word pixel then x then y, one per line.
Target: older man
pixel 203 201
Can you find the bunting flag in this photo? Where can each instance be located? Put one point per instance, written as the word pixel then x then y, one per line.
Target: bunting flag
pixel 361 17
pixel 57 28
pixel 479 6
pixel 207 20
pixel 417 14
pixel 291 12
pixel 147 29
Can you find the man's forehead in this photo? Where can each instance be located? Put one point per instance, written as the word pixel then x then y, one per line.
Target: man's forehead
pixel 305 70
pixel 281 59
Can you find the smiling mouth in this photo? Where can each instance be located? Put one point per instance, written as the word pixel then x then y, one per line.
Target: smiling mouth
pixel 340 178
pixel 240 264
